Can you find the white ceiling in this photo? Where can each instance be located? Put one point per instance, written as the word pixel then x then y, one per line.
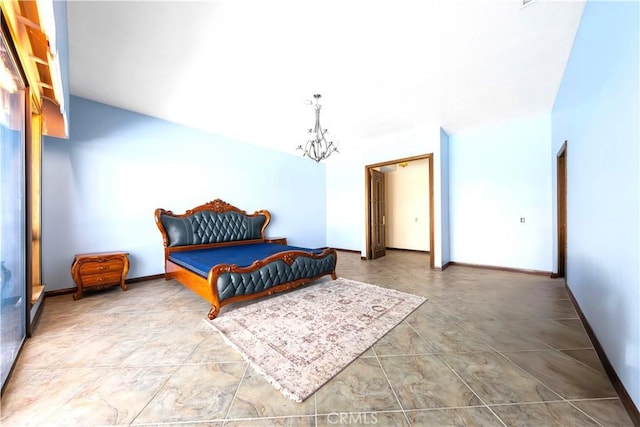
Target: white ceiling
pixel 244 68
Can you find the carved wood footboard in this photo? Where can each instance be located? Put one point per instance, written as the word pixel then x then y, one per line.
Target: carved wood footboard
pixel 325 261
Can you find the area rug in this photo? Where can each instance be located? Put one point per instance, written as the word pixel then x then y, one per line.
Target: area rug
pixel 300 339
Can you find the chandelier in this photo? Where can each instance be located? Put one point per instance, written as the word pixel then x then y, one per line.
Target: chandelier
pixel 317 148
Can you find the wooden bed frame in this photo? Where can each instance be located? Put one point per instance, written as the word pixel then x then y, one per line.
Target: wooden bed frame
pixel 207 287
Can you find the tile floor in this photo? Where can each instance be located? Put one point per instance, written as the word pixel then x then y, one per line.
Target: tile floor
pixel 489 348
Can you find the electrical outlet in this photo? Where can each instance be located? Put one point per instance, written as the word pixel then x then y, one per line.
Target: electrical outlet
pixel 522 220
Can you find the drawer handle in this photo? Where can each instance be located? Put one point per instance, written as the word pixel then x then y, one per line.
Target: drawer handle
pixel 103 267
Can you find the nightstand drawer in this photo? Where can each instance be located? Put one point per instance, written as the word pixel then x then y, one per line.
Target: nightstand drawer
pixel 112 278
pixel 104 267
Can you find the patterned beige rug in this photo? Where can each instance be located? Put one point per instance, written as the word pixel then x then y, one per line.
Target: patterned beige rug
pixel 301 339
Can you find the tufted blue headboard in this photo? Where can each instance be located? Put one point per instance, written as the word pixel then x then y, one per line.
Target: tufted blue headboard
pixel 213 222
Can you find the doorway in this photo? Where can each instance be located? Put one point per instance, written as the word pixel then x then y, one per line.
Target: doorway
pixel 561 162
pixel 378 203
pixel 375 202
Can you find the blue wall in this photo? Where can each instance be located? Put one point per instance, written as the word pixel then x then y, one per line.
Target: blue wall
pixel 101 187
pixel 597 112
pixel 445 203
pixel 498 175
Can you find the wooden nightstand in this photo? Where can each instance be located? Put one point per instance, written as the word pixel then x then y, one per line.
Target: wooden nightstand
pixel 278 240
pixel 97 270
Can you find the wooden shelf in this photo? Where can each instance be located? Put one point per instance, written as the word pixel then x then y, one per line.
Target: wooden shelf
pixel 36 291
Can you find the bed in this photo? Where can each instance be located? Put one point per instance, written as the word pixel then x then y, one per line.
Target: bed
pixel 221 253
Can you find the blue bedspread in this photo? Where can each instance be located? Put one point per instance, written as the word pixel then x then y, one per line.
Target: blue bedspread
pixel 200 261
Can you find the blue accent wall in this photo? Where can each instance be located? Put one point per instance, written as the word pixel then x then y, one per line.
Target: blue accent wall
pixel 597 112
pixel 102 186
pixel 444 171
pixel 500 195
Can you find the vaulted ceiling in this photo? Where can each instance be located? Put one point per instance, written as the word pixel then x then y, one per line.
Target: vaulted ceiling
pixel 244 68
